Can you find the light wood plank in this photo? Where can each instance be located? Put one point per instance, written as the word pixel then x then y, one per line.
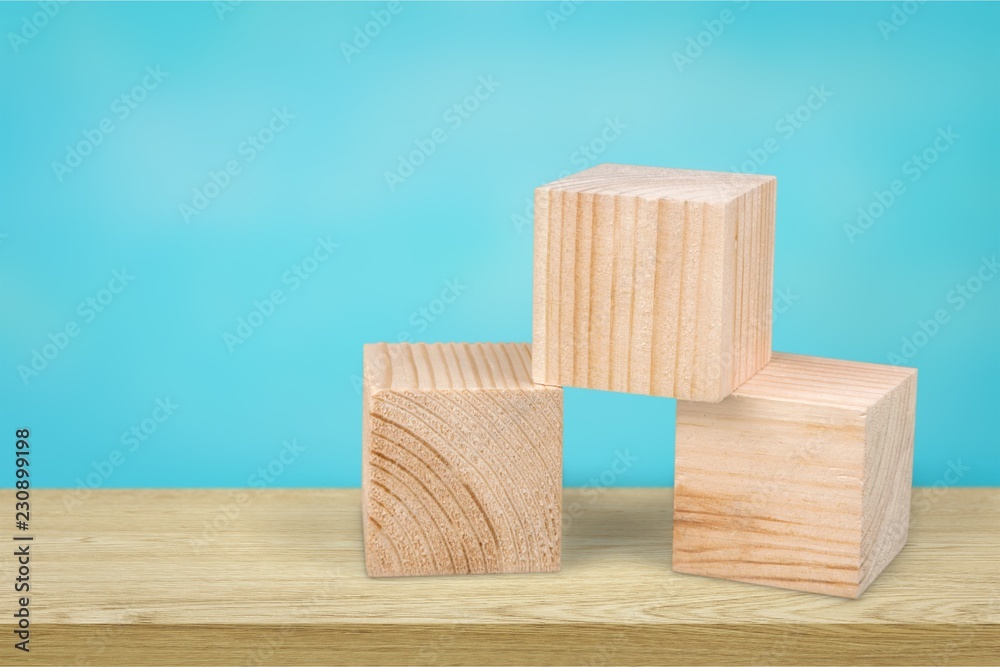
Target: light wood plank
pixel 141 577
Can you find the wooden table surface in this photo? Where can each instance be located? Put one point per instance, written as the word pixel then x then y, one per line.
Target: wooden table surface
pixel 276 577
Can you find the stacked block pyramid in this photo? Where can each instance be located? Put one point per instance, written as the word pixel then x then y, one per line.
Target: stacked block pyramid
pixel 791 471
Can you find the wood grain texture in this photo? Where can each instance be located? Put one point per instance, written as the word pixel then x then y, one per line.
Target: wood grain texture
pixel 136 578
pixel 653 281
pixel 800 479
pixel 462 461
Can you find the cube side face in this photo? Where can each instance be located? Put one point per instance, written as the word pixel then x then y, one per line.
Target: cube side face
pixel 366 392
pixel 753 283
pixel 634 295
pixel 463 481
pixel 375 375
pixel 769 492
pixel 541 307
pixel 888 478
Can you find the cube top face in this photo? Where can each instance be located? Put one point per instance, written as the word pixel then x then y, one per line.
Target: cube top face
pixel 416 366
pixel 653 281
pixel 656 183
pixel 461 461
pixel 811 494
pixel 824 382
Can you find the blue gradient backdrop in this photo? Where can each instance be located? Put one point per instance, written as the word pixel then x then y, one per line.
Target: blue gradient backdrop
pixel 838 101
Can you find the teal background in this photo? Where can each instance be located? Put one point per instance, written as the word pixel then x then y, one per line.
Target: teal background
pixel 464 214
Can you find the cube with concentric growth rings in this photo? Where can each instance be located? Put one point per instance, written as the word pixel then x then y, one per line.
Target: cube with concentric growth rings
pixel 461 461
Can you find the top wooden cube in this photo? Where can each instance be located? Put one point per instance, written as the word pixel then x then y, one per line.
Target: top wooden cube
pixel 653 281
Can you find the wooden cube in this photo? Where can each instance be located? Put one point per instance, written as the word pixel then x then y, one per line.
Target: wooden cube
pixel 462 461
pixel 800 479
pixel 653 281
